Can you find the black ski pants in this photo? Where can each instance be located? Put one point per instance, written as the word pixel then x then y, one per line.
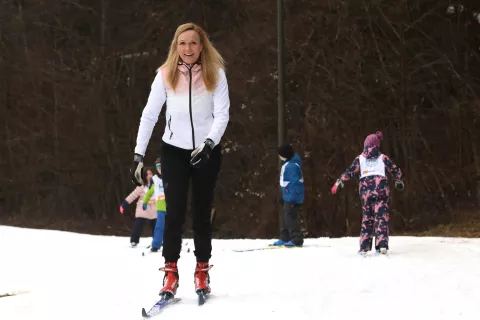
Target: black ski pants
pixel 138 227
pixel 291 230
pixel 177 174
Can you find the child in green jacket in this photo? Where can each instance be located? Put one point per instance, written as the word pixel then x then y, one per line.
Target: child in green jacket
pixel 156 189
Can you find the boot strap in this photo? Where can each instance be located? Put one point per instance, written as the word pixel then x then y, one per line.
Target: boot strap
pixel 204 269
pixel 168 269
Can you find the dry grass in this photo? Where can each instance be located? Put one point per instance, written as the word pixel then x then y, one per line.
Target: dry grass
pixel 466 226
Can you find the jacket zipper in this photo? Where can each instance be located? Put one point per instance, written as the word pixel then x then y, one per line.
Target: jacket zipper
pixel 169 128
pixel 190 107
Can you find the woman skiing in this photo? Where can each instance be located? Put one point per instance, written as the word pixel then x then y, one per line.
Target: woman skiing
pixel 193 84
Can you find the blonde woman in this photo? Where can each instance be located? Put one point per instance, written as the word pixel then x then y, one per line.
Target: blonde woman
pixel 193 84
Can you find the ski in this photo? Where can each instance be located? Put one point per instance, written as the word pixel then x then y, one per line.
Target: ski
pixel 148 250
pixel 376 253
pixel 158 307
pixel 271 246
pixel 161 304
pixel 202 297
pixel 260 248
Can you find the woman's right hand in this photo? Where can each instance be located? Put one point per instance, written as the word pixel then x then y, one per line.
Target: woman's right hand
pixel 136 171
pixel 121 210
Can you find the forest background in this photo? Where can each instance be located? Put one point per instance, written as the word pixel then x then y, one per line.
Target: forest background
pixel 75 76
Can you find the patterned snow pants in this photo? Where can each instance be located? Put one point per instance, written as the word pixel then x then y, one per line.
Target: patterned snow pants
pixel 374 221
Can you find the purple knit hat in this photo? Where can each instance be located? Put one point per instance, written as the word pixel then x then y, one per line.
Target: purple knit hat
pixel 373 139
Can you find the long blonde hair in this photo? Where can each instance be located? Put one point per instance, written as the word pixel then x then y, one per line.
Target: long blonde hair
pixel 210 59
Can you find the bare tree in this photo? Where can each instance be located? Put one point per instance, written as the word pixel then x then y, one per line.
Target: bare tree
pixel 75 76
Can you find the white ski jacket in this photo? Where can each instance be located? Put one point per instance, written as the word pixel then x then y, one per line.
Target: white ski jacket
pixel 193 114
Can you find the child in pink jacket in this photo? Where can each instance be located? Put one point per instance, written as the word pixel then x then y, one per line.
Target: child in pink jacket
pixel 141 216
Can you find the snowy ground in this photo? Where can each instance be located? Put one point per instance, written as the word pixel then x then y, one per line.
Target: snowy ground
pixel 60 275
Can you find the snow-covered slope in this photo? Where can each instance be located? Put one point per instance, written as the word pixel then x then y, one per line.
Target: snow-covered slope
pixel 61 275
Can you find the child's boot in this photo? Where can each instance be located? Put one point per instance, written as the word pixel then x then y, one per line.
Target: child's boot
pixel 170 280
pixel 278 243
pixel 290 244
pixel 362 252
pixel 381 251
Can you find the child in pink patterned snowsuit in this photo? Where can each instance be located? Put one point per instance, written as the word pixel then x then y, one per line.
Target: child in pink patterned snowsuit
pixel 374 192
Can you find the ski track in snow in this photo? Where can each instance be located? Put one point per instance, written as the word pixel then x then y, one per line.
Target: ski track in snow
pixel 62 275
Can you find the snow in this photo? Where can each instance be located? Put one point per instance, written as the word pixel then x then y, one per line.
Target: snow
pixel 62 275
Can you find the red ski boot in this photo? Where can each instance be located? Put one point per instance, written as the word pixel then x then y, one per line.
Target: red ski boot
pixel 170 280
pixel 202 281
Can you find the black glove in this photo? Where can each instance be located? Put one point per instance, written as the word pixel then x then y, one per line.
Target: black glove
pixel 136 171
pixel 399 185
pixel 201 155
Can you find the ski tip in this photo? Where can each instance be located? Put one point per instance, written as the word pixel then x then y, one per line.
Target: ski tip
pixel 144 313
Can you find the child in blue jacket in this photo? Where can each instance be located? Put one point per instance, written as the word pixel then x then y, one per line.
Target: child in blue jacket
pixel 291 182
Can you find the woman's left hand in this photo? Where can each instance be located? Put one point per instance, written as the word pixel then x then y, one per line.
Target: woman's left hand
pixel 201 155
